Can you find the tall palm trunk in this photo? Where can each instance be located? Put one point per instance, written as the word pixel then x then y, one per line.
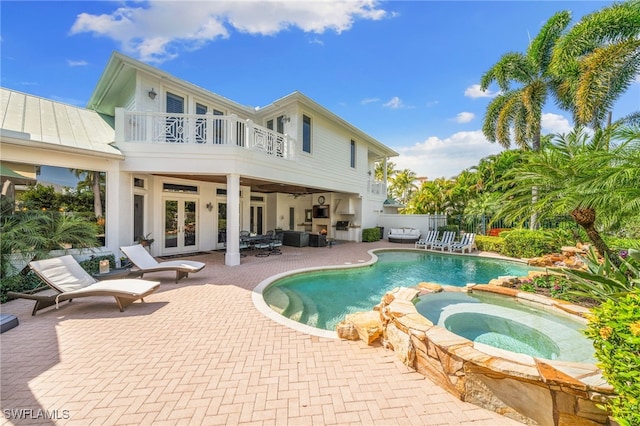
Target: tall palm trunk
pixel 97 202
pixel 586 218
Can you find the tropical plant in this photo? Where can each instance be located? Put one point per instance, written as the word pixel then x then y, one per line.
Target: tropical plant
pixel 614 328
pixel 596 61
pixel 482 208
pixel 569 175
pixel 379 172
pixel 34 233
pixel 603 280
pixel 95 181
pixel 432 197
pixel 520 108
pixel 403 185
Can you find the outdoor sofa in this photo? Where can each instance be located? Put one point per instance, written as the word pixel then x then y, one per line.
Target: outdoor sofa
pixel 404 235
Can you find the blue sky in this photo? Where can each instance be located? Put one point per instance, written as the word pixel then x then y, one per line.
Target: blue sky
pixel 405 72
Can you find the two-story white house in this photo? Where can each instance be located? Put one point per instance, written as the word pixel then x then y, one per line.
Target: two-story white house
pixel 193 168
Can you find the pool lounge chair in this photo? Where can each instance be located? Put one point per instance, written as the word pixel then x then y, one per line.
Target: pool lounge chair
pixel 67 280
pixel 467 243
pixel 429 239
pixel 445 241
pixel 145 263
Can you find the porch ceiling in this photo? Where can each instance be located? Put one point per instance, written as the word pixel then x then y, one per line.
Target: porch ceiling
pixel 257 185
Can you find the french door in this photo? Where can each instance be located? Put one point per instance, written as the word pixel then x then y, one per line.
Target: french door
pixel 257 219
pixel 180 225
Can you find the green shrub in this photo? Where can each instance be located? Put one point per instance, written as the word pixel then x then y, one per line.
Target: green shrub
pixel 622 243
pixel 371 234
pixel 527 243
pixel 19 283
pixel 615 330
pixel 494 244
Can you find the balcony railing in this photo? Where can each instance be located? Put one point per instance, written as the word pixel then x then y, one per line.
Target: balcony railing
pixel 376 187
pixel 201 129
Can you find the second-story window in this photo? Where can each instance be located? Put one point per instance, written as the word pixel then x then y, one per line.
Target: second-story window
pixel 279 124
pixel 174 129
pixel 306 134
pixel 353 154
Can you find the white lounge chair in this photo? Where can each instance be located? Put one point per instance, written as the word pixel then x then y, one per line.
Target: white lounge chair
pixel 427 240
pixel 445 241
pixel 467 243
pixel 145 263
pixel 69 280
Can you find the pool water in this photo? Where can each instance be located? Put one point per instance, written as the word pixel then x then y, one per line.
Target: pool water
pixel 322 299
pixel 504 323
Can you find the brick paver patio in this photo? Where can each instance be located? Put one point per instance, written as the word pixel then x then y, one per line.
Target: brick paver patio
pixel 199 352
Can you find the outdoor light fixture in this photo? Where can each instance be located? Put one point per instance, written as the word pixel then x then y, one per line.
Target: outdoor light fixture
pixel 285 118
pixel 152 94
pixel 209 206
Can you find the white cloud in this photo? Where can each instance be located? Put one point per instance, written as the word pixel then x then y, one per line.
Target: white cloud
pixel 73 63
pixel 475 92
pixel 554 123
pixel 157 31
pixel 394 103
pixel 465 117
pixel 447 157
pixel 369 101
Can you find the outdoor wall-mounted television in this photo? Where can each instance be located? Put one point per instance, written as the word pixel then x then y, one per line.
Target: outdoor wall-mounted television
pixel 321 212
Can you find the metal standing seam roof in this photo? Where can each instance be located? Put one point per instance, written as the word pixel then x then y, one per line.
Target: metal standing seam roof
pixel 42 120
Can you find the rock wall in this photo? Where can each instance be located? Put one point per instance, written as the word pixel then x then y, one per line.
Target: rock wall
pixel 532 391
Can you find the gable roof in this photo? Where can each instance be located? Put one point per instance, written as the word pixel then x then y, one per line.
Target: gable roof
pixel 31 120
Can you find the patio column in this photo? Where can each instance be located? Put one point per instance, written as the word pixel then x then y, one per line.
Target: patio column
pixel 232 255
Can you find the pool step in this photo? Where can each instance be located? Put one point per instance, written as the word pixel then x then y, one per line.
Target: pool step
pixel 295 310
pixel 310 314
pixel 277 300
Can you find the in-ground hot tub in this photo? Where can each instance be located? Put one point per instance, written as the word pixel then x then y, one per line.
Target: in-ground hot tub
pixel 508 324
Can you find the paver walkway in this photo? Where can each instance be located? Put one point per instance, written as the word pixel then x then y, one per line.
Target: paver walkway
pixel 198 352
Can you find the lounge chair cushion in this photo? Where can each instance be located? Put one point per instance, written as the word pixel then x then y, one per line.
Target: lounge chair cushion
pixel 65 275
pixel 404 235
pixel 145 263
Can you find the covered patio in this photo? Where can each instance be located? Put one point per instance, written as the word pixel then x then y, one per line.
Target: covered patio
pixel 198 352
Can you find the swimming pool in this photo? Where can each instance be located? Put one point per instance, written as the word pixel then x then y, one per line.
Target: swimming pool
pixel 321 299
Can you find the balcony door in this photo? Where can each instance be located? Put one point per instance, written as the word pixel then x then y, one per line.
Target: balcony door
pixel 180 225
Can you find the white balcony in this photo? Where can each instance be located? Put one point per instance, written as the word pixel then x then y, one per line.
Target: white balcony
pixel 200 129
pixel 376 187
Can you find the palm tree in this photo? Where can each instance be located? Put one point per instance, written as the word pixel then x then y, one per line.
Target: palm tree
pixel 432 197
pixel 520 108
pixel 597 60
pixel 379 171
pixel 95 181
pixel 577 175
pixel 403 185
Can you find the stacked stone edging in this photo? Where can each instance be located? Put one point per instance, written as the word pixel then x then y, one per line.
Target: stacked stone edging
pixel 532 391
